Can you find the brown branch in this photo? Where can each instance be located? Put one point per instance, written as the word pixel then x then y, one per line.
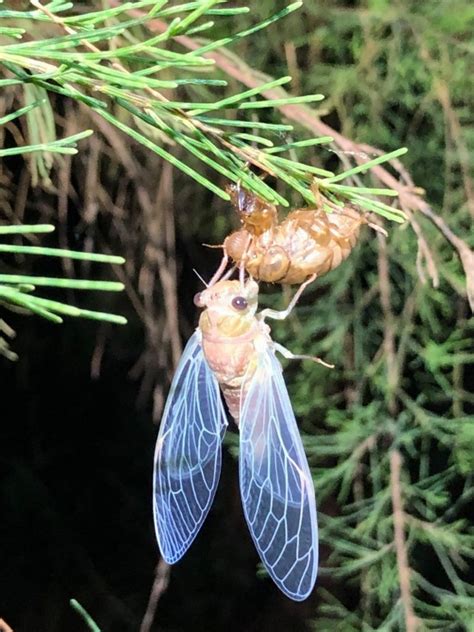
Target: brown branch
pixel 465 253
pixel 160 585
pixel 166 256
pixel 389 328
pixel 424 255
pixel 442 92
pixel 367 445
pixel 393 377
pixel 411 621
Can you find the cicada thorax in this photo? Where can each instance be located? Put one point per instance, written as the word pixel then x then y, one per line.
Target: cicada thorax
pixel 228 337
pixel 308 241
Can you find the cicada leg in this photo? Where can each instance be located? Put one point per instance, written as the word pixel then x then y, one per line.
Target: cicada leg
pixel 378 228
pixel 281 315
pixel 229 273
pixel 286 353
pixel 242 275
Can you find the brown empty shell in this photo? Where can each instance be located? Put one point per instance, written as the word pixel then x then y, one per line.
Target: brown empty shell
pixel 308 241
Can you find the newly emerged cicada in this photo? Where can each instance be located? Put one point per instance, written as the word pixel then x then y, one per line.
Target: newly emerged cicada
pixel 307 242
pixel 232 351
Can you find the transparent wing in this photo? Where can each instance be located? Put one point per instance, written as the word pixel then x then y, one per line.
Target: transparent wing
pixel 275 483
pixel 188 453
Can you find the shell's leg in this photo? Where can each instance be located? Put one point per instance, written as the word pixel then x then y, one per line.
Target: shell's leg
pixel 377 228
pixel 316 192
pixel 242 275
pixel 229 273
pixel 220 270
pixel 243 261
pixel 286 353
pixel 277 315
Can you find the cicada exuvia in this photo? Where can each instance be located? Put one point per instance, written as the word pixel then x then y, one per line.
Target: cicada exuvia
pixel 232 351
pixel 309 241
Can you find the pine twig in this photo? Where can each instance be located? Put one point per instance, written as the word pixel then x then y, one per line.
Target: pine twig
pixel 411 621
pixel 465 253
pixel 389 343
pixel 160 584
pixel 389 332
pixel 88 620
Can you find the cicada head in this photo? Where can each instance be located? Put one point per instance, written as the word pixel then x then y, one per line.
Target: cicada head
pixel 256 214
pixel 229 305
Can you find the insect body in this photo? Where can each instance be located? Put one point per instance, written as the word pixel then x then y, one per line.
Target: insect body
pixel 232 350
pixel 306 242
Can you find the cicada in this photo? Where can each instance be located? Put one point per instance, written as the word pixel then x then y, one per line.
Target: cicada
pixel 307 242
pixel 232 352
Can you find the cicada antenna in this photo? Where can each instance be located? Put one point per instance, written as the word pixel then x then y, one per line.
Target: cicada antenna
pixel 242 277
pixel 200 277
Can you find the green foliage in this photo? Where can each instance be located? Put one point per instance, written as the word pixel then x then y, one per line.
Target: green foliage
pixel 106 60
pixel 388 432
pixel 17 291
pixel 91 624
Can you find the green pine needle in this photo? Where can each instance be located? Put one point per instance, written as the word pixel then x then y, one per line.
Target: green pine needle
pixel 19 290
pixel 79 64
pixel 88 620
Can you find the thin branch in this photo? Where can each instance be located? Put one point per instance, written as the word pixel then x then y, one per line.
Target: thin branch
pixel 160 585
pixel 411 621
pixel 465 253
pixel 424 254
pixel 389 329
pixel 393 376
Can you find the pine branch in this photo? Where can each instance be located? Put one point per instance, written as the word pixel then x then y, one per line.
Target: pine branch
pixel 411 622
pixel 95 57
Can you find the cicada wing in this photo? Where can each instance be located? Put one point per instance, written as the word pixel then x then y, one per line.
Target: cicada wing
pixel 276 485
pixel 188 453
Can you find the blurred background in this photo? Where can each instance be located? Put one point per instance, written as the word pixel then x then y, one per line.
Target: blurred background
pixel 80 408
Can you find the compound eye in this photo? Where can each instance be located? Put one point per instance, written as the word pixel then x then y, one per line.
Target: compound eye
pixel 240 303
pixel 198 300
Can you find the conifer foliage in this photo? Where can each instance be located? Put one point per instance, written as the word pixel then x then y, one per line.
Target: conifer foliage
pixel 388 432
